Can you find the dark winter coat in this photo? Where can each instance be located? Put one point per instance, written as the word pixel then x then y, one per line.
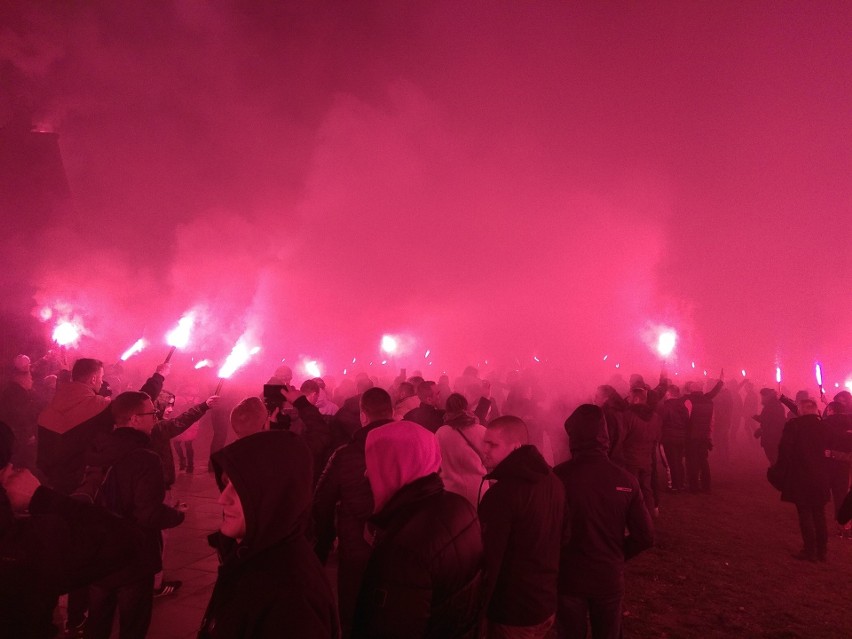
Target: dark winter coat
pixel 427 416
pixel 62 545
pixel 424 578
pixel 165 430
pixel 675 421
pixel 641 434
pixel 270 584
pixel 316 433
pixel 74 419
pixel 343 500
pixel 701 415
pixel 133 489
pixel 802 465
pixel 771 420
pixel 601 502
pixel 521 517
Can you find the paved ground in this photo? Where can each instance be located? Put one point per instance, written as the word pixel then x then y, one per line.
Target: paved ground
pixel 189 558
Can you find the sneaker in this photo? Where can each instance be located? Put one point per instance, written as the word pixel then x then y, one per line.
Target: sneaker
pixel 74 631
pixel 167 588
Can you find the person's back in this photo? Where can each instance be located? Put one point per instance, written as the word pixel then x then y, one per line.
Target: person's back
pixel 802 452
pixel 270 583
pixel 521 518
pixel 424 577
pixel 343 502
pixel 601 502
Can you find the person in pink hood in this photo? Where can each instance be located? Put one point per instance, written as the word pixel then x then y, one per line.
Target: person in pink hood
pixel 424 577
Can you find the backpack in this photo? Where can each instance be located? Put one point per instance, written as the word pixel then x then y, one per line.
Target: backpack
pixel 98 487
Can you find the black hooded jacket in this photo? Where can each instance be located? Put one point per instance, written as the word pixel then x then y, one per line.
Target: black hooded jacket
pixel 271 583
pixel 424 578
pixel 601 501
pixel 521 517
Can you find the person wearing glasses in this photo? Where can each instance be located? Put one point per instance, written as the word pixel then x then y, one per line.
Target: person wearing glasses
pixel 132 488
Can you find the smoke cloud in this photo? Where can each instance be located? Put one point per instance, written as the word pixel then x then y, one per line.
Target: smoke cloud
pixel 492 182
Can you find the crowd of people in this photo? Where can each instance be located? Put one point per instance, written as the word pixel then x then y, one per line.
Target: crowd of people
pixel 454 510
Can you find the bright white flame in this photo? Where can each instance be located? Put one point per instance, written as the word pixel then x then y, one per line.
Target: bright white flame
pixel 693 364
pixel 67 333
pixel 819 375
pixel 238 358
pixel 744 373
pixel 344 371
pixel 848 384
pixel 255 350
pixel 384 361
pixel 353 360
pixel 312 368
pixel 138 345
pixel 618 365
pixel 705 372
pixel 777 374
pixel 389 344
pixel 426 356
pixel 666 342
pixel 605 356
pixel 179 335
pixel 204 363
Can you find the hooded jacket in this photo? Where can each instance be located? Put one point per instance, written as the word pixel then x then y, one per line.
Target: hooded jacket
pixel 601 502
pixel 74 419
pixel 133 489
pixel 271 583
pixel 424 577
pixel 521 517
pixel 461 453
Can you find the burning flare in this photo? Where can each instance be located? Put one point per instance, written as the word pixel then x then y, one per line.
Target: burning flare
pixel 178 337
pixel 238 358
pixel 138 345
pixel 204 363
pixel 312 368
pixel 666 342
pixel 390 344
pixel 68 332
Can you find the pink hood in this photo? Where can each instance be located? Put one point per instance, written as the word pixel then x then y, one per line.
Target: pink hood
pixel 397 454
pixel 72 404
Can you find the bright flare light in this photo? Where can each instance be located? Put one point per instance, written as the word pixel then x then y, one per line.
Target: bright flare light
pixel 67 333
pixel 819 374
pixel 138 345
pixel 313 369
pixel 666 342
pixel 426 356
pixel 179 335
pixel 204 363
pixel 777 374
pixel 238 358
pixel 743 371
pixel 389 344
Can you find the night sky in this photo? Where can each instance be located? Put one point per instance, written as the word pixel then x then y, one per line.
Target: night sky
pixel 488 180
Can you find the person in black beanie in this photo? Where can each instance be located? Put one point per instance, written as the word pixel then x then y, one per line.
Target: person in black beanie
pixel 602 500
